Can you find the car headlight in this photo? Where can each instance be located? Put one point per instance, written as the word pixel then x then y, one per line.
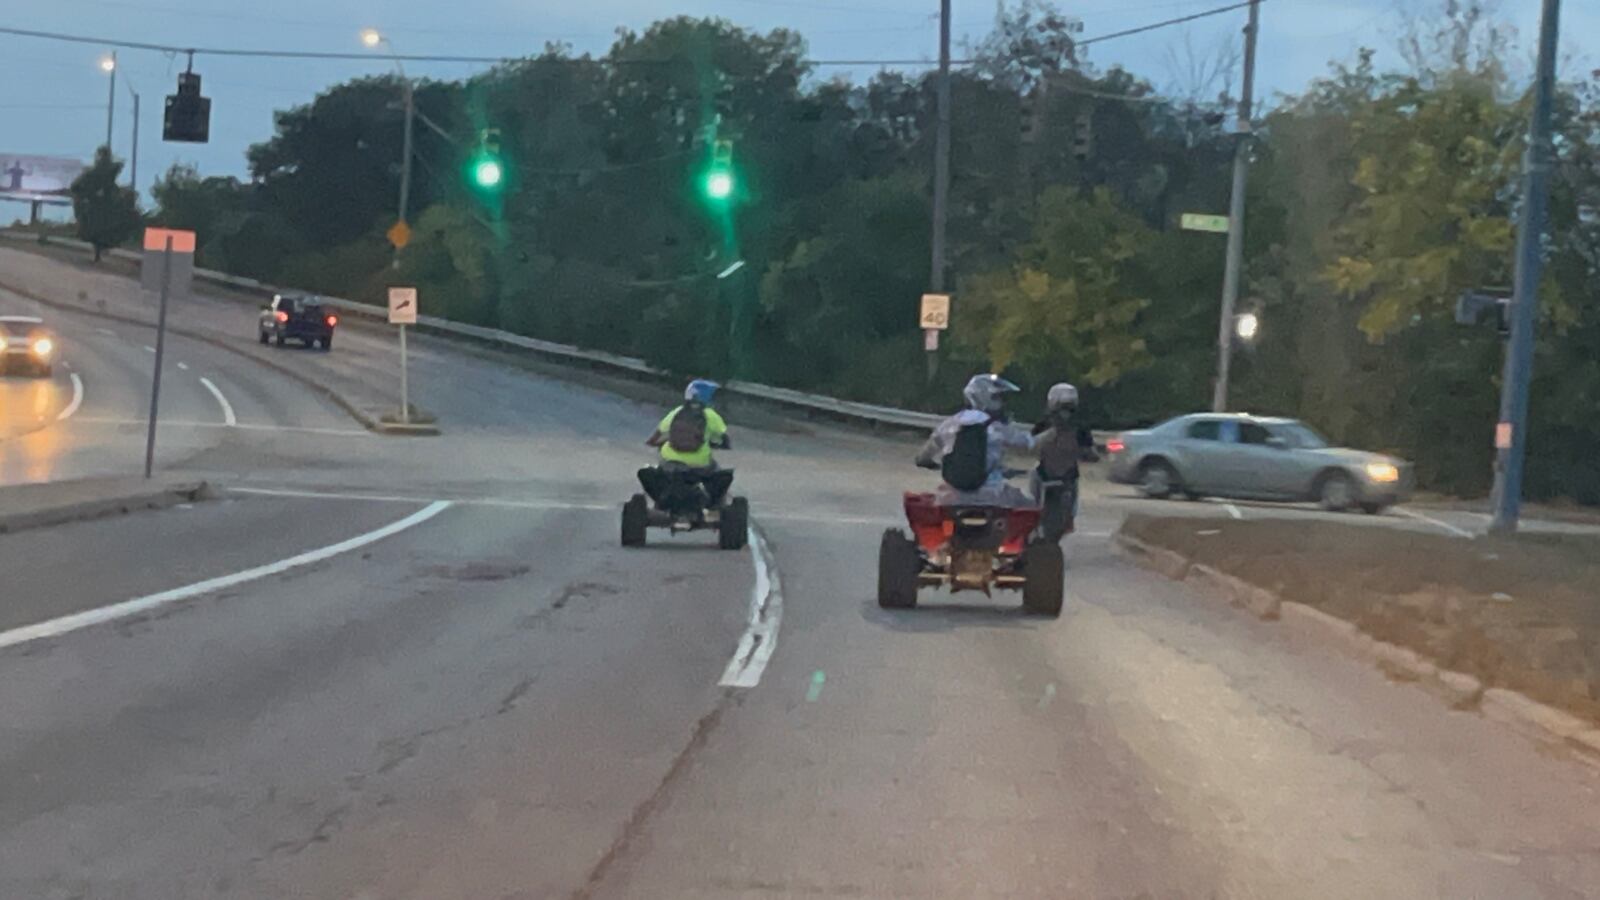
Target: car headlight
pixel 1383 473
pixel 44 347
pixel 2 345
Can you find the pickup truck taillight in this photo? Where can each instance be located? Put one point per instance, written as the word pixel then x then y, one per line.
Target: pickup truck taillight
pixel 332 321
pixel 281 316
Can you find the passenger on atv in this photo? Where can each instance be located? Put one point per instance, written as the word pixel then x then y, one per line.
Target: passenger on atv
pixel 1063 444
pixel 688 482
pixel 969 448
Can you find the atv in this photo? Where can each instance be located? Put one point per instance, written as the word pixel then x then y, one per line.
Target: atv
pixel 970 548
pixel 682 499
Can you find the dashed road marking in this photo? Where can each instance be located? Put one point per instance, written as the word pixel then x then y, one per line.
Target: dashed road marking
pixel 228 418
pixel 77 398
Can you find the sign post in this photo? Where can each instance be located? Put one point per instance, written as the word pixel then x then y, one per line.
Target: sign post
pixel 173 252
pixel 934 318
pixel 403 312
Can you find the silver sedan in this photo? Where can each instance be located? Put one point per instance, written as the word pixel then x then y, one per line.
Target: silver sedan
pixel 1255 458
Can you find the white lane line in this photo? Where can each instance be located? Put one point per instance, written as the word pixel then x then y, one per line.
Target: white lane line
pixel 106 331
pixel 1233 510
pixel 183 366
pixel 1438 523
pixel 402 498
pixel 149 349
pixel 760 636
pixel 228 418
pixel 138 605
pixel 77 398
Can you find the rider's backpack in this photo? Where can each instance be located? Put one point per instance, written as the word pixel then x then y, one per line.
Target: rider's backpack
pixel 687 433
pixel 966 466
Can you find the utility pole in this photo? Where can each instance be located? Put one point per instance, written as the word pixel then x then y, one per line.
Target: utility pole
pixel 1511 434
pixel 1241 174
pixel 133 170
pixel 941 175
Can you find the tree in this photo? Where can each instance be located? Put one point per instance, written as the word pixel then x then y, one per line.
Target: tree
pixel 213 208
pixel 106 212
pixel 1068 306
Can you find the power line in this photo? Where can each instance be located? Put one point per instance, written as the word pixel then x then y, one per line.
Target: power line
pixel 1164 24
pixel 498 60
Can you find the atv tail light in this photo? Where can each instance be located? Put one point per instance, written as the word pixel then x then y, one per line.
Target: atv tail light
pixel 282 316
pixel 332 321
pixel 1115 445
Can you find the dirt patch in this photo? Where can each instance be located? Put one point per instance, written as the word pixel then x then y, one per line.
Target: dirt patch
pixel 1521 613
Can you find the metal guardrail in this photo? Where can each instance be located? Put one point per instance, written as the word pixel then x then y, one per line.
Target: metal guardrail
pixel 811 404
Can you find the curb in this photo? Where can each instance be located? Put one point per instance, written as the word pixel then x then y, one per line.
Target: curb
pixel 337 399
pixel 161 497
pixel 1458 689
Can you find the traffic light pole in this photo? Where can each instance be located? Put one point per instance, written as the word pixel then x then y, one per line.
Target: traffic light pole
pixel 405 159
pixel 1241 175
pixel 941 174
pixel 1511 433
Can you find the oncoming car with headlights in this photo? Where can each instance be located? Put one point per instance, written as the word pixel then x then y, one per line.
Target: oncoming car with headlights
pixel 1255 458
pixel 27 347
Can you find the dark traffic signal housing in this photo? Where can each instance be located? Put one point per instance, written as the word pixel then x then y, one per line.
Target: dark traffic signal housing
pixel 188 115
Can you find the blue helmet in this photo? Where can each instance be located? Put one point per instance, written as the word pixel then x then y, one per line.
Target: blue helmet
pixel 701 391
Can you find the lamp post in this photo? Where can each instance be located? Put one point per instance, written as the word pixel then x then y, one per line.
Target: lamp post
pixel 108 65
pixel 373 39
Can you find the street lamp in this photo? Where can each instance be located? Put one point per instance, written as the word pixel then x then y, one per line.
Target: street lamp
pixel 373 38
pixel 108 65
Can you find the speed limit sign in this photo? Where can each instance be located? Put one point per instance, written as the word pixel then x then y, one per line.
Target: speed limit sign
pixel 935 311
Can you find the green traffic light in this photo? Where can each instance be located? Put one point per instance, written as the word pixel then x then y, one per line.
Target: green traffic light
pixel 719 185
pixel 488 173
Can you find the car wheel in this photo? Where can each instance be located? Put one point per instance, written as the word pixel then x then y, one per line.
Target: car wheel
pixel 635 520
pixel 264 338
pixel 899 564
pixel 733 529
pixel 1337 493
pixel 1157 479
pixel 327 343
pixel 1374 509
pixel 281 340
pixel 1043 579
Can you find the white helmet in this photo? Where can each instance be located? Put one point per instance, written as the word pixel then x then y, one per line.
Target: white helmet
pixel 1061 396
pixel 986 393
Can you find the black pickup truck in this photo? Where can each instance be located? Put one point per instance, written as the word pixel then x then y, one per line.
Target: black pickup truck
pixel 298 317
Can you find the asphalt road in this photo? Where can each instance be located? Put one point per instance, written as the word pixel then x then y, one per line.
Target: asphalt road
pixel 424 669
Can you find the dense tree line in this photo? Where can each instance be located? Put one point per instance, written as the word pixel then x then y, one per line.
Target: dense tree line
pixel 1377 197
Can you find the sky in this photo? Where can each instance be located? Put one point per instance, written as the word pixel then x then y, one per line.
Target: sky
pixel 53 96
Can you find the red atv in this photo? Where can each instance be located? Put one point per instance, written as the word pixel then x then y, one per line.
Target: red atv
pixel 970 548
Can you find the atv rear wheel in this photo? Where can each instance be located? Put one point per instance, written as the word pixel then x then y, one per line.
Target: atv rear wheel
pixel 898 567
pixel 1044 579
pixel 635 520
pixel 733 529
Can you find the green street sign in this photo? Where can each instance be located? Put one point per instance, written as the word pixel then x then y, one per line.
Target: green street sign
pixel 1202 222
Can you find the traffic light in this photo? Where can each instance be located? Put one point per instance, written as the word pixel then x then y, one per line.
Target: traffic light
pixel 487 169
pixel 1083 135
pixel 720 180
pixel 188 115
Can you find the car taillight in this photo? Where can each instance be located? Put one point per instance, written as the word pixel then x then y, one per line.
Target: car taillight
pixel 332 321
pixel 282 316
pixel 1115 445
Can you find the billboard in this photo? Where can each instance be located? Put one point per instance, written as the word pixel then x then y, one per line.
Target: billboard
pixel 27 177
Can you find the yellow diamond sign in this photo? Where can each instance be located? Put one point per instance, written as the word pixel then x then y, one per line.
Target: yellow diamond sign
pixel 399 235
